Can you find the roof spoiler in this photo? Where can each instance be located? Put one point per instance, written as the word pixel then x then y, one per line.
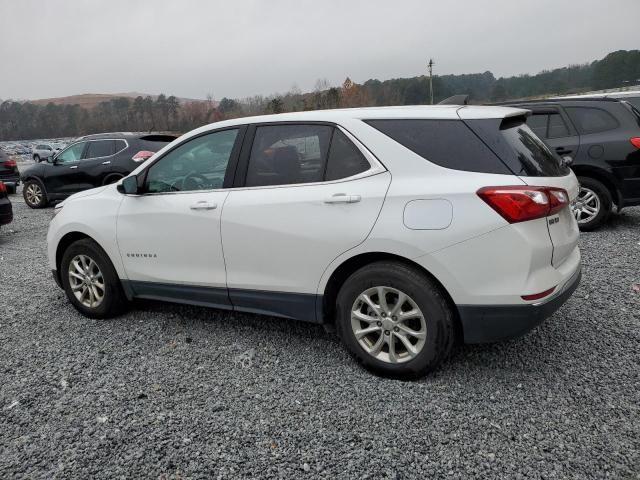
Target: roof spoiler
pixel 455 100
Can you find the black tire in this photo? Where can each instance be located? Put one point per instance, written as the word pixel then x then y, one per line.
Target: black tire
pixel 605 200
pixel 438 316
pixel 114 301
pixel 29 199
pixel 36 158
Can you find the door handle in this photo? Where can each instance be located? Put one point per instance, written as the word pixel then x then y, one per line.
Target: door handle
pixel 563 151
pixel 75 166
pixel 106 163
pixel 343 198
pixel 203 205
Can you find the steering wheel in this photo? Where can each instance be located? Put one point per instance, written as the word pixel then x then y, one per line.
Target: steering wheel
pixel 193 181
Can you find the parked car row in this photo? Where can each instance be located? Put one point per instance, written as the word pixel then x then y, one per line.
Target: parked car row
pixel 9 174
pixel 6 210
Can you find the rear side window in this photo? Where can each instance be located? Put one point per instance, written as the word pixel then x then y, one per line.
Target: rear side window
pixel 288 154
pixel 345 160
pixel 448 143
pixel 100 148
pixel 591 120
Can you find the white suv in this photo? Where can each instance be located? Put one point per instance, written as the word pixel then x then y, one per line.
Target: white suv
pixel 406 228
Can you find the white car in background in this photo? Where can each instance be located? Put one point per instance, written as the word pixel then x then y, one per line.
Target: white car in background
pixel 42 151
pixel 406 228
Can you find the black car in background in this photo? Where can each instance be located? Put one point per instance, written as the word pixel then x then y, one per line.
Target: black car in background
pixel 9 174
pixel 602 137
pixel 6 210
pixel 89 162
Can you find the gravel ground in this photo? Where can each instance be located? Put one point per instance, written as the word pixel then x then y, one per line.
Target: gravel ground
pixel 182 392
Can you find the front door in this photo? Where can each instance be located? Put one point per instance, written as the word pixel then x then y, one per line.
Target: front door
pixel 60 175
pixel 310 195
pixel 552 125
pixel 169 236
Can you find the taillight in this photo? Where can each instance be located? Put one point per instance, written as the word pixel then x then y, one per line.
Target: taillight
pixel 635 141
pixel 3 188
pixel 520 204
pixel 142 156
pixel 10 163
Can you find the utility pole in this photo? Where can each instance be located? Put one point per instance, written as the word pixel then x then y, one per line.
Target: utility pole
pixel 430 67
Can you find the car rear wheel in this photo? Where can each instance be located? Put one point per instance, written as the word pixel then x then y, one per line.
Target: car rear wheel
pixel 395 320
pixel 593 205
pixel 34 194
pixel 90 281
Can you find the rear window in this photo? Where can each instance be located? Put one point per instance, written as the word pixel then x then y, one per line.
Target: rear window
pixel 448 143
pixel 518 147
pixel 591 120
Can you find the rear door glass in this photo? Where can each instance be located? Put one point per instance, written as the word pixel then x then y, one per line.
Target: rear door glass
pixel 100 148
pixel 345 160
pixel 591 120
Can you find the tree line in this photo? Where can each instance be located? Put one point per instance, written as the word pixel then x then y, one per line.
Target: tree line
pixel 25 120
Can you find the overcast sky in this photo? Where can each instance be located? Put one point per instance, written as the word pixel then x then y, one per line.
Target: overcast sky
pixel 237 48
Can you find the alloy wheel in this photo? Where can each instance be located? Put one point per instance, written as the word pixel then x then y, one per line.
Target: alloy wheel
pixel 388 324
pixel 34 194
pixel 587 206
pixel 86 281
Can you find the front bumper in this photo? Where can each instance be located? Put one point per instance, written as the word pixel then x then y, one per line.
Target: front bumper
pixel 491 323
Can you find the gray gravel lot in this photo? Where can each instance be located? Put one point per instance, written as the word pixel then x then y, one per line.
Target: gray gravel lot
pixel 183 392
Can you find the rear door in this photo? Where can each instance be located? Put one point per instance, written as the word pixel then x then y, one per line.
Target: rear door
pixel 306 195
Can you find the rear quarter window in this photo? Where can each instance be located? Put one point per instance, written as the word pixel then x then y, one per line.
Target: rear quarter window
pixel 448 143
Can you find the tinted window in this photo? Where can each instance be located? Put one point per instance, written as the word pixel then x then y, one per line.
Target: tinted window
pixel 100 148
pixel 557 127
pixel 120 145
pixel 345 160
pixel 448 143
pixel 518 147
pixel 591 120
pixel 198 164
pixel 288 154
pixel 71 154
pixel 538 123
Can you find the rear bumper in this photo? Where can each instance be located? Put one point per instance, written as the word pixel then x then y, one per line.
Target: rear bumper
pixel 6 211
pixel 491 323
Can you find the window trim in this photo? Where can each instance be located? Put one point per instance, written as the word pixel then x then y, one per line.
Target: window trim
pixel 375 166
pixel 228 176
pixel 86 149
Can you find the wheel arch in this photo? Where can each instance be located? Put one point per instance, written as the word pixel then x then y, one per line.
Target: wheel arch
pixel 352 264
pixel 64 243
pixel 112 178
pixel 603 177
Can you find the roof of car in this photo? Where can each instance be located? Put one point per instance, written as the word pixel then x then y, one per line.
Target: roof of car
pixel 627 93
pixel 123 135
pixel 557 100
pixel 435 112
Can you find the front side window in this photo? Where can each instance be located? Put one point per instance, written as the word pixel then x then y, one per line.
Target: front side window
pixel 72 153
pixel 591 120
pixel 538 123
pixel 557 128
pixel 198 164
pixel 100 148
pixel 288 154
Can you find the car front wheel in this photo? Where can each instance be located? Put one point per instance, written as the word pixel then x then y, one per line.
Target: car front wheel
pixel 34 194
pixel 395 320
pixel 90 281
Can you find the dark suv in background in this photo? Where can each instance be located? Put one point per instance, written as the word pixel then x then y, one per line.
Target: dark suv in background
pixel 9 174
pixel 602 137
pixel 89 162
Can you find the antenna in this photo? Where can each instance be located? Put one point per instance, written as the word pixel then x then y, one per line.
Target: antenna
pixel 430 68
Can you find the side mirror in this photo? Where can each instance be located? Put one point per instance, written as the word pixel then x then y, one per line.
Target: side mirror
pixel 51 159
pixel 129 186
